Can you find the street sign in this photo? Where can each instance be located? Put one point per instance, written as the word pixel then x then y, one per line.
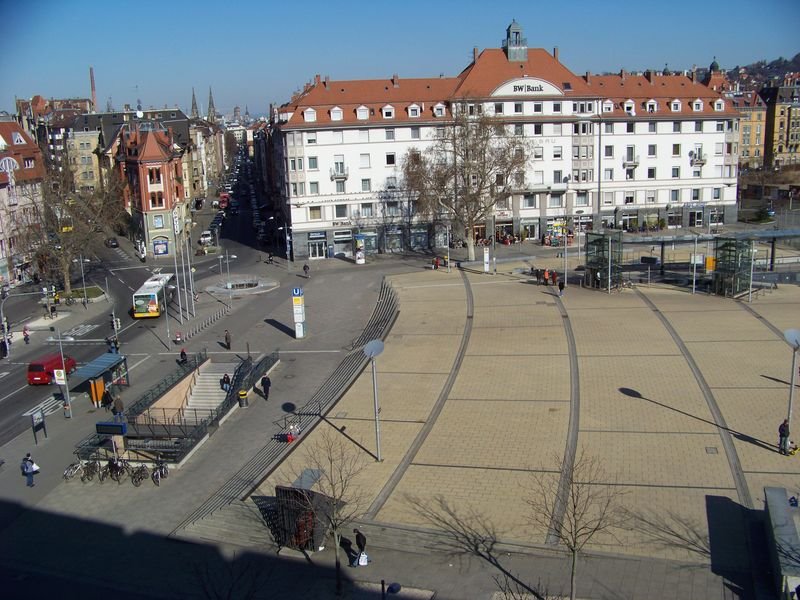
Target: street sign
pixel 60 376
pixel 485 259
pixel 297 292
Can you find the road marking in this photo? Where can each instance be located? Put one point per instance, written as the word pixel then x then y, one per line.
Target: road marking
pixel 80 330
pixel 4 373
pixel 7 396
pixel 48 406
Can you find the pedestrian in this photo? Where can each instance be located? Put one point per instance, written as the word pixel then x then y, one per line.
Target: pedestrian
pixel 227 339
pixel 306 270
pixel 29 469
pixel 436 263
pixel 184 358
pixel 561 287
pixel 115 344
pixel 361 544
pixel 554 277
pixel 107 400
pixel 118 409
pixel 110 345
pixel 226 382
pixel 270 259
pixel 783 437
pixel 265 385
pixel 546 276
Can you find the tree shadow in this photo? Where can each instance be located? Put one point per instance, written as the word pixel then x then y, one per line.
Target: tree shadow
pixel 631 393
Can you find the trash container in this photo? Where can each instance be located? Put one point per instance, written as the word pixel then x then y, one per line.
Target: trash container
pixel 243 398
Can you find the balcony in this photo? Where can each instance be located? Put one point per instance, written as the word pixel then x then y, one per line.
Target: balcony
pixel 630 161
pixel 697 159
pixel 340 173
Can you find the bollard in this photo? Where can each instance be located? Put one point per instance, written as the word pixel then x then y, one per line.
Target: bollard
pixel 243 398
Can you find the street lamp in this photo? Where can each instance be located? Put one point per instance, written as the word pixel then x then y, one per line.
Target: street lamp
pixel 448 236
pixel 371 350
pixel 228 268
pixel 288 232
pixel 792 337
pixel 83 279
pixel 64 367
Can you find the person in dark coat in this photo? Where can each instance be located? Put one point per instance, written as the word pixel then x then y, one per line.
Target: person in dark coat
pixel 265 385
pixel 783 437
pixel 227 339
pixel 361 541
pixel 560 287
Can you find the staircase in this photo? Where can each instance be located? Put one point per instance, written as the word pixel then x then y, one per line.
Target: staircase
pixel 207 393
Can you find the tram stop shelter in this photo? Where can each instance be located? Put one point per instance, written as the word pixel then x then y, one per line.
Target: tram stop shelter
pixel 106 371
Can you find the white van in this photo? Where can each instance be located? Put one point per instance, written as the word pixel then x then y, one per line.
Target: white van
pixel 206 238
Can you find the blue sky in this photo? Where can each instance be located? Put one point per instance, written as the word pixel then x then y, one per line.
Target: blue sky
pixel 255 52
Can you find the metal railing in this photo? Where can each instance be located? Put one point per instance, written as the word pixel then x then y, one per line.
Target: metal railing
pixel 147 399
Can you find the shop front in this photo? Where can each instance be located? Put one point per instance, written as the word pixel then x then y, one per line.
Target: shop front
pixel 504 231
pixel 317 244
pixel 419 238
pixel 343 242
pixel 529 229
pixel 393 239
pixel 370 241
pixel 629 220
pixel 674 218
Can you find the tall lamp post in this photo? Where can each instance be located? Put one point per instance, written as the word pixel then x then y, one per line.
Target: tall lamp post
pixel 448 236
pixel 792 337
pixel 83 279
pixel 373 349
pixel 68 406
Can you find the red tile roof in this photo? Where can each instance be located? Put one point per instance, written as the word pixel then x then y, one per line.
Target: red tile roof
pixel 19 152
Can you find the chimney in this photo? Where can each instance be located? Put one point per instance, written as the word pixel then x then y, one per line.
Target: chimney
pixel 327 81
pixel 588 77
pixel 395 81
pixel 94 91
pixel 649 75
pixel 555 52
pixel 474 54
pixel 317 79
pixel 622 74
pixel 694 73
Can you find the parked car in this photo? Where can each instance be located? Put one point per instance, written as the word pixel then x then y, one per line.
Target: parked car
pixel 112 242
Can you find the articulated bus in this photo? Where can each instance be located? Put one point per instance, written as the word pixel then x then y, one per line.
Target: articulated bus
pixel 151 299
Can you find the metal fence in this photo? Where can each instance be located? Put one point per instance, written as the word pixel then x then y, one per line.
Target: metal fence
pixel 147 399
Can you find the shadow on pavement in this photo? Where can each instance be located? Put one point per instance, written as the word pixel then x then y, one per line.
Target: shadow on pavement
pixel 280 327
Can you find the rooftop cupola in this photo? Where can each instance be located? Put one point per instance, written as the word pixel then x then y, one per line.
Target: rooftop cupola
pixel 515 45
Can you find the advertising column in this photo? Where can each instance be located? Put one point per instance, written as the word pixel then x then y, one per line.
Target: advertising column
pixel 299 310
pixel 360 250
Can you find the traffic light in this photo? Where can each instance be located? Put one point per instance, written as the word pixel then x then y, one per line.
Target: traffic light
pixel 52 290
pixel 113 322
pixel 117 324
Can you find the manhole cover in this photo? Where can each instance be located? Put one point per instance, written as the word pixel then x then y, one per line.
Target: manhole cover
pixel 711 450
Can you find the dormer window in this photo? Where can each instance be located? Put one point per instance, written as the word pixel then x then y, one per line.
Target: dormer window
pixel 362 113
pixel 630 107
pixel 608 106
pixel 719 105
pixel 388 112
pixel 309 115
pixel 652 106
pixel 337 114
pixel 18 139
pixel 438 110
pixel 413 111
pixel 675 106
pixel 697 105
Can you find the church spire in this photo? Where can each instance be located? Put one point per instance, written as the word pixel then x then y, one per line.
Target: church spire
pixel 195 113
pixel 212 112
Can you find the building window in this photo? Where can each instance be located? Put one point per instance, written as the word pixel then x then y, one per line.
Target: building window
pixel 698 126
pixel 314 213
pixel 310 115
pixel 629 198
pixel 388 112
pixel 695 194
pixel 415 133
pixel 301 188
pixel 675 106
pixel 650 197
pixel 366 185
pixel 313 188
pixel 651 127
pixel 390 159
pixel 651 172
pixel 438 110
pixel 529 201
pixel 312 163
pixel 674 195
pixel 608 174
pixel 556 107
pixel 630 173
pixel 292 164
pixel 537 107
pixel 158 221
pixel 311 137
pixel 608 151
pixel 390 134
pixel 557 153
pixel 676 172
pixel 556 128
pixel 718 148
pixel 156 200
pixel 557 177
pixel 651 150
pixel 518 108
pixel 582 199
pixel 337 114
pixel 629 127
pixel 609 127
pixel 498 108
pixel 154 175
pixel 676 149
pixel 366 209
pixel 554 201
pixel 519 129
pixel 29 163
pixel 362 113
pixel 340 211
pixel 340 187
pixel 537 129
pixel 717 193
pixel 413 111
pixel 393 209
pixel 696 173
pixel 538 152
pixel 676 127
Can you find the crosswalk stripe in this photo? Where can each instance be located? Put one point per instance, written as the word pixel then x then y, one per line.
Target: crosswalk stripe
pixel 49 406
pixel 80 330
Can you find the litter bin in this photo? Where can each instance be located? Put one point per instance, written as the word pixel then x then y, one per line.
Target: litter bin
pixel 243 398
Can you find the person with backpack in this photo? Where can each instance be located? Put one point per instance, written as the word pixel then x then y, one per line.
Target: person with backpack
pixel 29 469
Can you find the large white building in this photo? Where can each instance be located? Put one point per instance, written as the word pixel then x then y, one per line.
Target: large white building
pixel 621 151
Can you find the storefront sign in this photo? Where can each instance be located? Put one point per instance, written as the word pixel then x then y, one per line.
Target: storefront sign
pixel 341 235
pixel 527 86
pixel 317 235
pixel 160 247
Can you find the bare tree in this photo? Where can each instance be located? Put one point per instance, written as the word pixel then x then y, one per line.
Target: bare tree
pixel 335 463
pixel 472 164
pixel 576 507
pixel 671 530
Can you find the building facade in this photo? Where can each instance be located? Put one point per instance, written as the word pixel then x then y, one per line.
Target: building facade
pixel 782 143
pixel 618 151
pixel 752 128
pixel 21 175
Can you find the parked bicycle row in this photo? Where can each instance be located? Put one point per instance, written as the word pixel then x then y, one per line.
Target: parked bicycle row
pixel 117 469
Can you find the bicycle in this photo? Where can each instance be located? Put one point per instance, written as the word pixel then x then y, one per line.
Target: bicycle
pixel 139 474
pixel 160 471
pixel 117 468
pixel 69 300
pixel 72 470
pixel 90 469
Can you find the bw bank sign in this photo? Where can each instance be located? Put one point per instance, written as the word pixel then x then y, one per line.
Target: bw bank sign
pixel 527 86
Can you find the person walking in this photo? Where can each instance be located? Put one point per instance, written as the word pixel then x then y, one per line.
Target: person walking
pixel 554 277
pixel 560 287
pixel 227 339
pixel 118 408
pixel 361 544
pixel 29 469
pixel 265 385
pixel 546 276
pixel 184 358
pixel 306 271
pixel 226 382
pixel 783 437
